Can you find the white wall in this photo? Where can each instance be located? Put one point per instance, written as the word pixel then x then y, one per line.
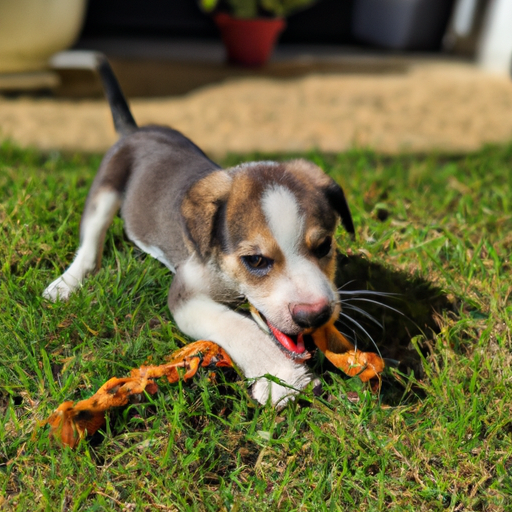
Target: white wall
pixel 495 46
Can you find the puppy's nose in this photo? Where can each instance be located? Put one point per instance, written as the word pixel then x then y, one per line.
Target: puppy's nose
pixel 311 315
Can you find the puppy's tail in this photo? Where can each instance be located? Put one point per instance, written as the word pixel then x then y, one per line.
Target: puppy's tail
pixel 124 122
pixel 123 119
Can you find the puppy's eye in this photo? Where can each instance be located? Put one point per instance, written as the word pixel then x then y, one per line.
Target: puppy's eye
pixel 257 263
pixel 322 250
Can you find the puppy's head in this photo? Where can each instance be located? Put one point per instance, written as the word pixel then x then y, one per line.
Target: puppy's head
pixel 270 228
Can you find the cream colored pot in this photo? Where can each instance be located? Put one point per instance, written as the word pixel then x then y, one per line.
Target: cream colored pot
pixel 33 30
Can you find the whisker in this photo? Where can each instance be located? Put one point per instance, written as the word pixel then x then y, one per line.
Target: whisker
pixel 352 338
pixel 368 292
pixel 355 322
pixel 346 284
pixel 364 313
pixel 382 304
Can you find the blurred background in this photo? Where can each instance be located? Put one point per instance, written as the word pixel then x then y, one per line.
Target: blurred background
pixel 392 75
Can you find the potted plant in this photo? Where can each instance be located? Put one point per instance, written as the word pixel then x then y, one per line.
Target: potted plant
pixel 250 28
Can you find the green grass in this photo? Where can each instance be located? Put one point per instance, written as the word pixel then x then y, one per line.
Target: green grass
pixel 436 229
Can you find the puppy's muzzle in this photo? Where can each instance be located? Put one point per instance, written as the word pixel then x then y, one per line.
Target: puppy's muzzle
pixel 311 316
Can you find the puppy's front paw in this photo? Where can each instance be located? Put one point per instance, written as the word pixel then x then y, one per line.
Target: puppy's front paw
pixel 61 288
pixel 264 389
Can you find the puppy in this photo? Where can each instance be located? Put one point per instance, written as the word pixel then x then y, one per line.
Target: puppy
pixel 260 231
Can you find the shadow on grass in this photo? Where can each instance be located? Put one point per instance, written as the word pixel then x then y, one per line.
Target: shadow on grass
pixel 400 307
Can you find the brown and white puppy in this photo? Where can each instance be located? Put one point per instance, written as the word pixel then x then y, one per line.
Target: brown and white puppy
pixel 261 231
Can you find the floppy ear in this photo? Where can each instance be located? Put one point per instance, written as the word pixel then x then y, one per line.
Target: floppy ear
pixel 314 175
pixel 201 209
pixel 336 198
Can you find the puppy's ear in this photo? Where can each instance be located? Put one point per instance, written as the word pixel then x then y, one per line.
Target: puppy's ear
pixel 314 175
pixel 202 207
pixel 336 198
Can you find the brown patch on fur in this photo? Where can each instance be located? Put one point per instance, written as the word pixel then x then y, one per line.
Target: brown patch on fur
pixel 262 243
pixel 248 233
pixel 200 206
pixel 309 173
pixel 305 181
pixel 314 176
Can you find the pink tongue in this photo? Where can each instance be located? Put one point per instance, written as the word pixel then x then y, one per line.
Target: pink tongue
pixel 287 342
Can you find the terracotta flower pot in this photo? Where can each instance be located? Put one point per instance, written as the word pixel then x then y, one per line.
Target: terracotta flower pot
pixel 249 42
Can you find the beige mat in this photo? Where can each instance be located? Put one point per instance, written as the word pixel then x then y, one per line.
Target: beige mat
pixel 432 106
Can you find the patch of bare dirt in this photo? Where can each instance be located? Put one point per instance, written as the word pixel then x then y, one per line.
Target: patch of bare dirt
pixel 432 106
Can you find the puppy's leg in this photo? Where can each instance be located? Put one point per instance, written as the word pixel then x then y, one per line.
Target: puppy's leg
pixel 201 317
pixel 98 214
pixel 251 349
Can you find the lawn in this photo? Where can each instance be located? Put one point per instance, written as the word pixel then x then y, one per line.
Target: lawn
pixel 434 232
